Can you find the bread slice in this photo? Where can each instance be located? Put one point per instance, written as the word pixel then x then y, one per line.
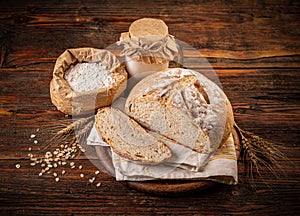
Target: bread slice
pixel 128 139
pixel 182 105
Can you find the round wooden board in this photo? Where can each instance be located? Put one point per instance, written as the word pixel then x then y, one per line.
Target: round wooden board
pixel 161 187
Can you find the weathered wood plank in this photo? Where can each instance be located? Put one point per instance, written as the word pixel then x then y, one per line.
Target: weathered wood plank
pixel 230 35
pixel 45 58
pixel 24 187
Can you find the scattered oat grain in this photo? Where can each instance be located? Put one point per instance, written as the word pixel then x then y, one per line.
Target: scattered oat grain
pixel 32 136
pixel 57 179
pixel 91 180
pixel 35 142
pixel 18 166
pixel 80 167
pixel 81 175
pixel 98 184
pixel 97 172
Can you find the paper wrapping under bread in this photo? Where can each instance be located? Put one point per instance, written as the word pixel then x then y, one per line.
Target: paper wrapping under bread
pixel 73 103
pixel 183 164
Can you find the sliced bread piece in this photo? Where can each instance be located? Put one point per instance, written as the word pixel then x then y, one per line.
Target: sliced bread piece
pixel 128 139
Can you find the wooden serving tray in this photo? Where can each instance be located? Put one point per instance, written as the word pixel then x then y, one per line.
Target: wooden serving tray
pixel 161 187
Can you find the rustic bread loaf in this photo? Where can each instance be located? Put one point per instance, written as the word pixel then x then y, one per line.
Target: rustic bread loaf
pixel 128 139
pixel 182 105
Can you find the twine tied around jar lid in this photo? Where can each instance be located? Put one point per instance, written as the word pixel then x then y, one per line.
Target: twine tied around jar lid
pixel 148 41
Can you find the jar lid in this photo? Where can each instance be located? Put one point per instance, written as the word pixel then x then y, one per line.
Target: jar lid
pixel 148 27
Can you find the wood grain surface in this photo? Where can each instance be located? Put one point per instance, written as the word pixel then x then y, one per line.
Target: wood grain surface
pixel 253 46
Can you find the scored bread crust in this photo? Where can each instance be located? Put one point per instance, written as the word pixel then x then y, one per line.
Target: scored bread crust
pixel 182 105
pixel 128 139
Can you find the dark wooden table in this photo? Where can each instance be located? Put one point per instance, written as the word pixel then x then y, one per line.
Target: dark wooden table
pixel 254 48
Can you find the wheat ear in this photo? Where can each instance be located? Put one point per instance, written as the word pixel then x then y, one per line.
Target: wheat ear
pixel 77 129
pixel 259 154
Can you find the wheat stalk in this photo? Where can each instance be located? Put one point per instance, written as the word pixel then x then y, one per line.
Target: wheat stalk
pixel 84 133
pixel 259 154
pixel 78 129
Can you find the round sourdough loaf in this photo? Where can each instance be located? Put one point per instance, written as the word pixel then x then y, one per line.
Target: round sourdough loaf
pixel 182 105
pixel 73 102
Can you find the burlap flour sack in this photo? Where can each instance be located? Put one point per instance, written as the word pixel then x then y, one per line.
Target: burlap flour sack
pixel 72 102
